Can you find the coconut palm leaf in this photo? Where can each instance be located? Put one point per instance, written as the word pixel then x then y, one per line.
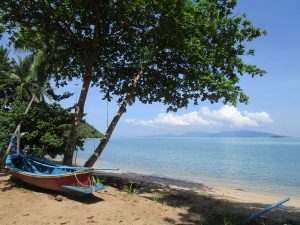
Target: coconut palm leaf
pixel 29 77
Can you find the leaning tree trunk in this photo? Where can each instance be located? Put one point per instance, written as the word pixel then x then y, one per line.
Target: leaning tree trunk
pixel 93 158
pixel 79 109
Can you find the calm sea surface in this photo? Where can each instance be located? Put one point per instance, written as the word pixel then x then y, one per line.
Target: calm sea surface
pixel 265 164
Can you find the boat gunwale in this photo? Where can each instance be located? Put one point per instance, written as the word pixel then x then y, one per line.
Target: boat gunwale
pixel 41 175
pixel 76 170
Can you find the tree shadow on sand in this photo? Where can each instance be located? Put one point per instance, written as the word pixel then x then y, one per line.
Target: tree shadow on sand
pixel 202 208
pixel 146 183
pixel 208 210
pixel 3 173
pixel 14 183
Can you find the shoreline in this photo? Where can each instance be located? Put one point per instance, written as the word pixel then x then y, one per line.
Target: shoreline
pixel 234 193
pixel 171 179
pixel 268 189
pixel 261 191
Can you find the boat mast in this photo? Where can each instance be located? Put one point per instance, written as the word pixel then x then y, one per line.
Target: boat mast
pixel 18 138
pixel 18 129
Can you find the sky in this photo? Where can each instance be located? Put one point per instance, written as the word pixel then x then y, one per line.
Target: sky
pixel 274 98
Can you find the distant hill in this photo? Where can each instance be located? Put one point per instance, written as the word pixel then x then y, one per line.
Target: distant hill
pixel 88 131
pixel 240 133
pixel 243 133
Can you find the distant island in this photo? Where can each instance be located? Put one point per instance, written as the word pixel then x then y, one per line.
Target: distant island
pixel 88 131
pixel 239 133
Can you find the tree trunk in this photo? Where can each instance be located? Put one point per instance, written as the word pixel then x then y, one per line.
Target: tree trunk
pixel 71 143
pixel 79 109
pixel 105 139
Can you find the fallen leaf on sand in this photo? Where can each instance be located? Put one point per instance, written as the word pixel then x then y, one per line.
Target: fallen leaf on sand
pixel 63 223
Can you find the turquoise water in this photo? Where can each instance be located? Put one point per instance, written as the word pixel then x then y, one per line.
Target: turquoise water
pixel 265 164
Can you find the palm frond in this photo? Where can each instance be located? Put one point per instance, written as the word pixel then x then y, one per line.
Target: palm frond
pixel 37 61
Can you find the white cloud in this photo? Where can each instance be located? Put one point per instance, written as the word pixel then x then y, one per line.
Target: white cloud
pixel 259 116
pixel 224 117
pixel 187 119
pixel 229 115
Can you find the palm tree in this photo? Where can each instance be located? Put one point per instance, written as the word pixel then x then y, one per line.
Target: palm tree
pixel 6 66
pixel 5 62
pixel 26 81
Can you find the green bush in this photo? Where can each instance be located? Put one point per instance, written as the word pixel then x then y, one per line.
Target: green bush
pixel 46 129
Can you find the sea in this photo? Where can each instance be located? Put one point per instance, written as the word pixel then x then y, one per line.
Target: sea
pixel 256 164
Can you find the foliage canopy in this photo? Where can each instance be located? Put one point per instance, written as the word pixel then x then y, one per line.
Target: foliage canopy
pixel 177 52
pixel 192 49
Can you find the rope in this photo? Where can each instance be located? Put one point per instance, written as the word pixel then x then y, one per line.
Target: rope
pixel 80 182
pixel 84 185
pixel 106 113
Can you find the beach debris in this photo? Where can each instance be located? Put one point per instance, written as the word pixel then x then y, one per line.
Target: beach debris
pixel 58 198
pixel 90 217
pixel 63 223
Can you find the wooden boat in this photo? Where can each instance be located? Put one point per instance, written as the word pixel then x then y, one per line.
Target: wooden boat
pixel 77 181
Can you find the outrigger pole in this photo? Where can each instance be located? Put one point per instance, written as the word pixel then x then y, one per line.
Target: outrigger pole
pixel 263 211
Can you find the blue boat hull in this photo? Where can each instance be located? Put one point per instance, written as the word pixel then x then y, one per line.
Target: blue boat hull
pixel 76 181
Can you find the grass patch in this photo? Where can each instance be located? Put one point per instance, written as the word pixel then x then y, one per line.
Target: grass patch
pixel 131 189
pixel 98 180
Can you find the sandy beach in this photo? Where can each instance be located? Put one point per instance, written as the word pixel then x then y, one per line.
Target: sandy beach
pixel 141 199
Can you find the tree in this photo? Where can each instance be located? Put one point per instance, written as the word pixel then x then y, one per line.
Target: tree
pixel 46 129
pixel 5 62
pixel 6 66
pixel 26 79
pixel 77 32
pixel 183 51
pixel 164 51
